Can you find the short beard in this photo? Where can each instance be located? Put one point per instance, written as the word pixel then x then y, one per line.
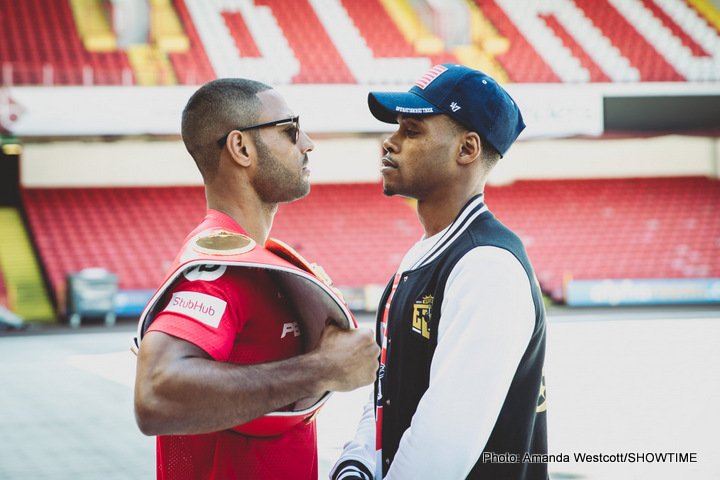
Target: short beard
pixel 274 182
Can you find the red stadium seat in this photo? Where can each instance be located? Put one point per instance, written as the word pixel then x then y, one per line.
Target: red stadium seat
pixel 352 230
pixel 521 61
pixel 584 229
pixel 41 46
pixel 619 228
pixel 39 43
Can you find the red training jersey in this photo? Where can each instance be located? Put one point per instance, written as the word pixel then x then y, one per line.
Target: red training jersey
pixel 237 315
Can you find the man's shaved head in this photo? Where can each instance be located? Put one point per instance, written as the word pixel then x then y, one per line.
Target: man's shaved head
pixel 214 110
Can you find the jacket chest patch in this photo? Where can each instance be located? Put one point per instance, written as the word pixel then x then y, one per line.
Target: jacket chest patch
pixel 421 316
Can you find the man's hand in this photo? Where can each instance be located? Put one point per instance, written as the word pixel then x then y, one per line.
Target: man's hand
pixel 175 377
pixel 349 358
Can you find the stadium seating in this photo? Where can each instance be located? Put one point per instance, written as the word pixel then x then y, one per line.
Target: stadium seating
pixel 39 45
pixel 320 61
pixel 619 228
pixel 126 230
pixel 136 232
pixel 584 229
pixel 359 41
pixel 193 66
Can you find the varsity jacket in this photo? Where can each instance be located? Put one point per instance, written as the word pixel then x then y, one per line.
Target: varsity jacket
pixel 414 317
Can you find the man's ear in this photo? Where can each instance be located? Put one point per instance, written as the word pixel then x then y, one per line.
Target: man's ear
pixel 241 148
pixel 470 148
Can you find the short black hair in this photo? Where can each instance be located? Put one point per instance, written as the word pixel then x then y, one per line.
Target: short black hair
pixel 212 111
pixel 489 154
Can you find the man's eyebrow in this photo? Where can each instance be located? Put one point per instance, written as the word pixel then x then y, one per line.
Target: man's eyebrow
pixel 411 118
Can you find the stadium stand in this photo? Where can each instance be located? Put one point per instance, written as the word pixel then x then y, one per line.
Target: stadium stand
pixel 614 228
pixel 643 227
pixel 631 42
pixel 358 41
pixel 131 231
pixel 191 67
pixel 40 45
pixel 573 229
pixel 319 59
pixel 383 35
pixel 115 228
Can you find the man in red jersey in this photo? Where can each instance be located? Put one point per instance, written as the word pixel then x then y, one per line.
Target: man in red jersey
pixel 224 347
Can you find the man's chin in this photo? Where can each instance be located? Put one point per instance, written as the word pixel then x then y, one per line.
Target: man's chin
pixel 300 193
pixel 390 192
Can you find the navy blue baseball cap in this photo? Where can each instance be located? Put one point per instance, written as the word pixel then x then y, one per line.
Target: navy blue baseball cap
pixel 470 97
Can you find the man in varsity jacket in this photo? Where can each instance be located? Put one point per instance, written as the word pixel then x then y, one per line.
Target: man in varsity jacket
pixel 460 390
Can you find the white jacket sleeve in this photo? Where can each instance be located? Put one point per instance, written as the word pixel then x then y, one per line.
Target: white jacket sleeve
pixel 488 317
pixel 359 450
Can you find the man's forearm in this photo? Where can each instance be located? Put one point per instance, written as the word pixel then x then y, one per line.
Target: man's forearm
pixel 193 394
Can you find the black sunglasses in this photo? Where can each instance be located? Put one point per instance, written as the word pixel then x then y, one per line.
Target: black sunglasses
pixel 293 131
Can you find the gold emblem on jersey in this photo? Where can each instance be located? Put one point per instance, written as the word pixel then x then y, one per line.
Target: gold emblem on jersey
pixel 221 242
pixel 421 316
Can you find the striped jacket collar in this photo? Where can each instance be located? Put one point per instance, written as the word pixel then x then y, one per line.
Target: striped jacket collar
pixel 472 210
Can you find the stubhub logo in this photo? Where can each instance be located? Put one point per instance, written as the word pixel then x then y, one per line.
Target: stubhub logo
pixel 198 306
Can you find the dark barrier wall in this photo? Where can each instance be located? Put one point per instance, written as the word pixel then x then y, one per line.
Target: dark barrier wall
pixel 663 114
pixel 9 179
